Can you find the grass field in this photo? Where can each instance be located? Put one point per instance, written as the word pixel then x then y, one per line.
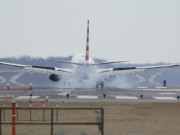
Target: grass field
pixel 145 118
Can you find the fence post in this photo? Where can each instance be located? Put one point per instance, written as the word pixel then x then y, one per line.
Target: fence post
pixel 30 111
pixel 57 106
pixel 17 111
pixel 43 111
pixel 0 123
pixel 13 117
pixel 102 121
pixel 52 121
pixel 4 118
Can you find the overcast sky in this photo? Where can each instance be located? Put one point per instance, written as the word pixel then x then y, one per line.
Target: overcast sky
pixel 140 31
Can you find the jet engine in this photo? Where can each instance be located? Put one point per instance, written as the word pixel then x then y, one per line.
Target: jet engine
pixel 54 77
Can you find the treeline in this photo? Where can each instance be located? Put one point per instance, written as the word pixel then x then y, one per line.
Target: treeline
pixel 38 61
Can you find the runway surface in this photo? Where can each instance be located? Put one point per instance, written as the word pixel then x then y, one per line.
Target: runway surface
pixel 41 91
pixel 140 94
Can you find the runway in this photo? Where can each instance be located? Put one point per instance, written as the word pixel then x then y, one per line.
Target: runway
pixel 140 94
pixel 42 90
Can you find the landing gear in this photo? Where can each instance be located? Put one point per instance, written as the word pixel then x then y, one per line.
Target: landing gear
pixel 99 83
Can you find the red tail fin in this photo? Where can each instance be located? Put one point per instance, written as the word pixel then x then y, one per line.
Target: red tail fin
pixel 87 42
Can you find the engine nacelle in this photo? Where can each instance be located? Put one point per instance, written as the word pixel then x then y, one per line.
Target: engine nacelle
pixel 54 77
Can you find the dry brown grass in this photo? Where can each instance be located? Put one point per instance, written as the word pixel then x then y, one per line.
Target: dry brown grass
pixel 120 119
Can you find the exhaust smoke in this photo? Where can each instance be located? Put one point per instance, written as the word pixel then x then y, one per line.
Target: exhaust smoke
pixel 87 77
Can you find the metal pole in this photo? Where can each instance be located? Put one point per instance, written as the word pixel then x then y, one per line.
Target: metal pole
pixel 17 111
pixel 52 122
pixel 0 123
pixel 30 111
pixel 17 114
pixel 102 121
pixel 57 106
pixel 30 114
pixel 43 111
pixel 4 118
pixel 57 115
pixel 13 117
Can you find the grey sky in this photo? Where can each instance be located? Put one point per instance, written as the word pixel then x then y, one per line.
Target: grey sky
pixel 140 31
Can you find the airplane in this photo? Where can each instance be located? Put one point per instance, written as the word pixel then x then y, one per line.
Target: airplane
pixel 85 68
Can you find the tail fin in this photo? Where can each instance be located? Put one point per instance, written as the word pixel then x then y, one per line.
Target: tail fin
pixel 87 43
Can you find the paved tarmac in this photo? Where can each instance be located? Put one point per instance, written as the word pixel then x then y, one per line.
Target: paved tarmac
pixel 140 94
pixel 136 94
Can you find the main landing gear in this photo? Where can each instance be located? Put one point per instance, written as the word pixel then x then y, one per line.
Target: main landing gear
pixel 100 84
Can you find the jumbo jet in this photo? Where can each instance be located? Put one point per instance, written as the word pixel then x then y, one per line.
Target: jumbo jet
pixel 85 69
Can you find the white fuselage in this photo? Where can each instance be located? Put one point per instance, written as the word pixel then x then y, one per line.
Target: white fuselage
pixel 80 58
pixel 86 71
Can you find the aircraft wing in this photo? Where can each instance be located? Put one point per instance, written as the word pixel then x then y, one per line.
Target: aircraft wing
pixel 106 63
pixel 40 69
pixel 130 70
pixel 15 65
pixel 67 62
pixel 82 64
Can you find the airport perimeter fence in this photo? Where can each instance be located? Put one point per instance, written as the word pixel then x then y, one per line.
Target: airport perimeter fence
pixel 50 121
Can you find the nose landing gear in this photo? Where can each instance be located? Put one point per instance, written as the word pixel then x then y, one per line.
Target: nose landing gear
pixel 100 84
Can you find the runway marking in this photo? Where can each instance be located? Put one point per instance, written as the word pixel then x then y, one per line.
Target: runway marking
pixel 141 78
pixel 142 87
pixel 90 97
pixel 126 97
pixel 167 93
pixel 165 98
pixel 26 97
pixel 16 77
pixel 6 96
pixel 2 80
pixel 64 93
pixel 154 76
pixel 163 90
pixel 160 87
